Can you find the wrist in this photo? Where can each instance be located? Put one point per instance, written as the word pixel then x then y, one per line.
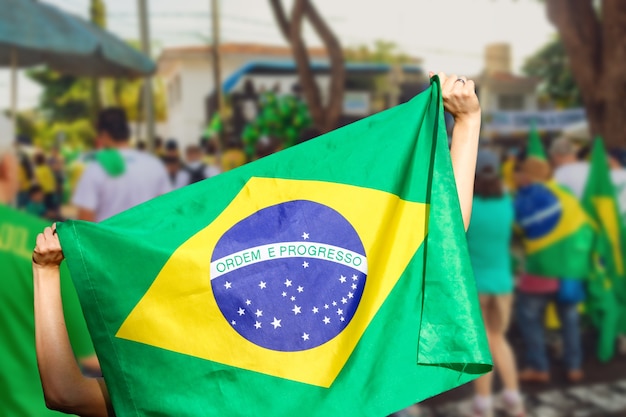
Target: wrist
pixel 468 119
pixel 51 267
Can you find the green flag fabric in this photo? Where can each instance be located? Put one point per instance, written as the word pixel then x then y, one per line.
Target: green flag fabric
pixel 607 287
pixel 20 387
pixel 330 279
pixel 535 147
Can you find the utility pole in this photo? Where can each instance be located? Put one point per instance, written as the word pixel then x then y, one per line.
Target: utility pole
pixel 97 13
pixel 148 99
pixel 215 52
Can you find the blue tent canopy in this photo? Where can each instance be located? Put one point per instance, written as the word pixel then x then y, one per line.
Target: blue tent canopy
pixel 289 67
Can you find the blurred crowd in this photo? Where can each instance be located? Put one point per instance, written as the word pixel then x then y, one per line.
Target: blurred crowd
pixel 514 203
pixel 49 178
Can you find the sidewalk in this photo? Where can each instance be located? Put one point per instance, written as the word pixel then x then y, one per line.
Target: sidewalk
pixel 601 394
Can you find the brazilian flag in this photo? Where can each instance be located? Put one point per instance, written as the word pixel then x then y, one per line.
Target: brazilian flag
pixel 330 279
pixel 558 235
pixel 607 286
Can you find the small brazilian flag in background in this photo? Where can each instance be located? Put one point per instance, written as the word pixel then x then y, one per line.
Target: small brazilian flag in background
pixel 607 285
pixel 535 146
pixel 330 279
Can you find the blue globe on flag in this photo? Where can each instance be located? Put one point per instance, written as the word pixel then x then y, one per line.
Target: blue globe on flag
pixel 289 277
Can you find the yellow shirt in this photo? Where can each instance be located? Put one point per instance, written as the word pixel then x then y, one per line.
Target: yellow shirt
pixel 23 179
pixel 233 158
pixel 508 171
pixel 45 178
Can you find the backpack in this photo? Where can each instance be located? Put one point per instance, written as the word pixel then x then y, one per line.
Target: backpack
pixel 197 174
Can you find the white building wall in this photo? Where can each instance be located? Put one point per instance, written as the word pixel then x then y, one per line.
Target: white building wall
pixel 186 110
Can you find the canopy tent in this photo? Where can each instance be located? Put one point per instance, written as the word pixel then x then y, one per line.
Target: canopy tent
pixel 34 33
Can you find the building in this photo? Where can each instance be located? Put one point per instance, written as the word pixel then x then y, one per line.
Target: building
pixel 188 76
pixel 510 103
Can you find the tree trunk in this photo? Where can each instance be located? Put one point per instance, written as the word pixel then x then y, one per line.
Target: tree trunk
pixel 326 118
pixel 597 53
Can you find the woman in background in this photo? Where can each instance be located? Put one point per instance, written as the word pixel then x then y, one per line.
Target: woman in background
pixel 489 238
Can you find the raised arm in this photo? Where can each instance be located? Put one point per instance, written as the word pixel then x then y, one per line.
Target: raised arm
pixel 460 100
pixel 64 386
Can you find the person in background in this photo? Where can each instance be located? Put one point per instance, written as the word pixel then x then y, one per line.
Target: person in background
pixel 196 170
pixel 570 171
pixel 21 394
pixel 489 239
pixel 535 292
pixel 211 149
pixel 57 165
pixel 266 146
pixel 44 176
pixel 35 205
pixel 508 168
pixel 119 177
pixel 233 156
pixel 26 176
pixel 158 147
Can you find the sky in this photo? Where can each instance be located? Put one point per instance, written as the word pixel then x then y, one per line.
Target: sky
pixel 448 35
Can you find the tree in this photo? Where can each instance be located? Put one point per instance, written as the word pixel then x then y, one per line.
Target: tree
pixel 552 65
pixel 326 117
pixel 593 33
pixel 382 52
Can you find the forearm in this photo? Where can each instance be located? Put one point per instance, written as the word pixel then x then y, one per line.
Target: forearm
pixel 65 388
pixel 463 153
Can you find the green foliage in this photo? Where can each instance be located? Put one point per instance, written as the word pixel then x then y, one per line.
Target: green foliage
pixel 382 52
pixel 97 11
pixel 283 118
pixel 552 66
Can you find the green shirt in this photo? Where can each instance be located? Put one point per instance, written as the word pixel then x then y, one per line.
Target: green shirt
pixel 20 387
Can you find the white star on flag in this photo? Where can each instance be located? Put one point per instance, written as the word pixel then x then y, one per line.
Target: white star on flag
pixel 354 286
pixel 300 289
pixel 334 303
pixel 305 336
pixel 241 311
pixel 257 325
pixel 342 319
pixel 326 306
pixel 354 277
pixel 276 323
pixel 339 312
pixel 343 300
pixel 287 283
pixel 262 284
pixel 305 264
pixel 350 295
pixel 326 320
pixel 305 236
pixel 228 285
pixel 342 279
pixel 293 298
pixel 284 294
pixel 248 302
pixel 258 313
pixel 233 322
pixel 315 310
pixel 296 310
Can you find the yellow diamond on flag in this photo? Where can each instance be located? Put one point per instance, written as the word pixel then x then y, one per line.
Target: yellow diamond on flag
pixel 193 306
